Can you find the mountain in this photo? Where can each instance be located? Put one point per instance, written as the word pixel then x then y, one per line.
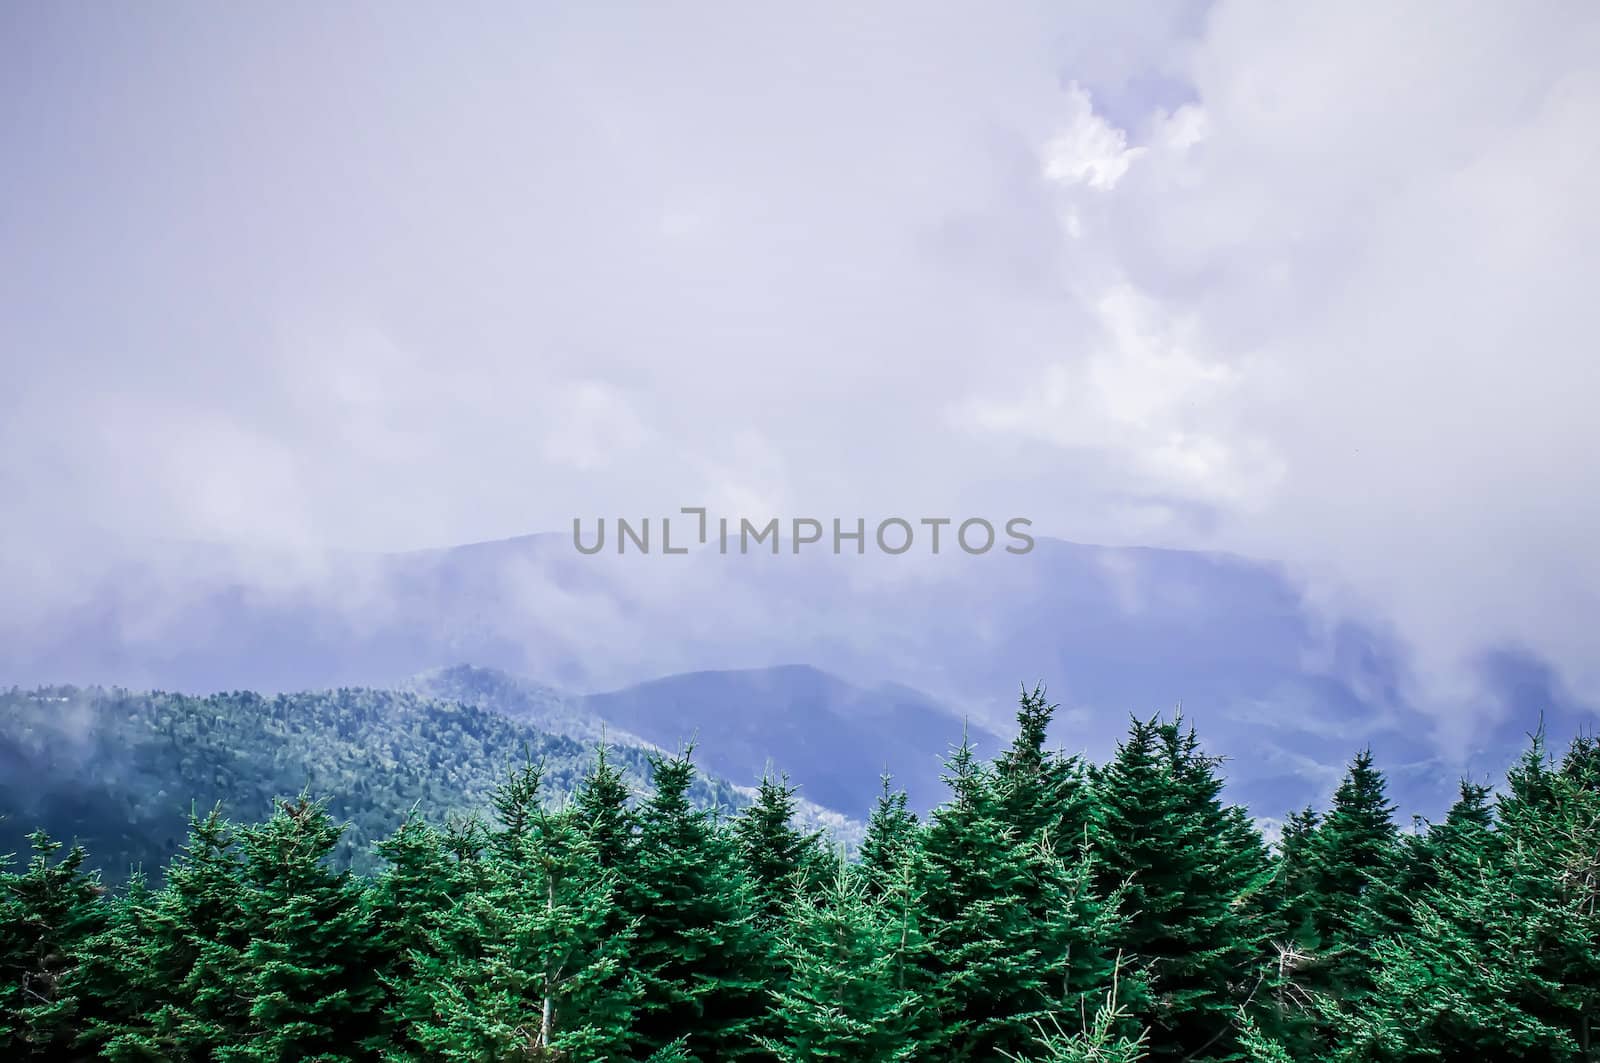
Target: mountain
pixel 121 770
pixel 833 739
pixel 1110 631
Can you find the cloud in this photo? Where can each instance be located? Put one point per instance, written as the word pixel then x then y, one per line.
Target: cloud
pixel 1308 285
pixel 1089 150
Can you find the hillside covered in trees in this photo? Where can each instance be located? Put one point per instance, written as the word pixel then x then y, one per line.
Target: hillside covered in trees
pixel 1048 910
pixel 121 771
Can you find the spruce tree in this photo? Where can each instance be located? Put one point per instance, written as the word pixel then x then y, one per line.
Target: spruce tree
pixel 697 947
pixel 1015 935
pixel 1460 842
pixel 1194 874
pixel 777 856
pixel 1357 856
pixel 846 998
pixel 1295 944
pixel 48 915
pixel 310 975
pixel 190 958
pixel 108 994
pixel 521 967
pixel 1042 791
pixel 890 838
pixel 605 815
pixel 410 902
pixel 1294 880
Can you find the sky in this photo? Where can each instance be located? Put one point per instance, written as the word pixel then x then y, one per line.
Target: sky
pixel 1311 283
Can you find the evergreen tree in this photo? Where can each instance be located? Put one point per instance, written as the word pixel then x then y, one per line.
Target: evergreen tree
pixel 1295 879
pixel 890 839
pixel 1357 901
pixel 1460 842
pixel 846 999
pixel 313 987
pixel 189 959
pixel 1295 943
pixel 411 902
pixel 522 967
pixel 1042 792
pixel 1015 935
pixel 48 915
pixel 1195 875
pixel 109 991
pixel 1155 926
pixel 776 855
pixel 1499 957
pixel 605 815
pixel 697 947
pixel 1469 980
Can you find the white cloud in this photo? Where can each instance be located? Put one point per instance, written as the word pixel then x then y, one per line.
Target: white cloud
pixel 593 427
pixel 1306 283
pixel 1089 150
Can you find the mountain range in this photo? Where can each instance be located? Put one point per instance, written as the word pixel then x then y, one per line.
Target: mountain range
pixel 832 668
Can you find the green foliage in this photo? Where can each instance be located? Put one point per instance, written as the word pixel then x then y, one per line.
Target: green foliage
pixel 308 968
pixel 890 839
pixel 121 770
pixel 777 855
pixel 1015 932
pixel 523 964
pixel 1048 911
pixel 697 946
pixel 1100 1040
pixel 846 998
pixel 50 915
pixel 1194 876
pixel 1358 860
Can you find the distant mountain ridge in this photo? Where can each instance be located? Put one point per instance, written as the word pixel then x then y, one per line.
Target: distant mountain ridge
pixel 832 738
pixel 1110 631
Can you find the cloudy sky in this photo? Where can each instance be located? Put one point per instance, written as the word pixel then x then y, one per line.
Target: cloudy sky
pixel 1307 282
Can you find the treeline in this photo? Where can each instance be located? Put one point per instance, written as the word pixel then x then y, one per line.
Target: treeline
pixel 1049 910
pixel 121 769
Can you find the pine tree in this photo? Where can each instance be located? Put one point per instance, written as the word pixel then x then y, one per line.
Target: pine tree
pixel 1043 792
pixel 890 839
pixel 1357 857
pixel 1468 980
pixel 107 992
pixel 775 853
pixel 1295 879
pixel 846 998
pixel 1498 959
pixel 48 915
pixel 410 902
pixel 1015 934
pixel 697 947
pixel 1295 942
pixel 522 967
pixel 1461 842
pixel 188 957
pixel 313 987
pixel 604 814
pixel 1195 874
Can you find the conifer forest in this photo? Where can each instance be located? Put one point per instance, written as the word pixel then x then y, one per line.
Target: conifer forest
pixel 1050 909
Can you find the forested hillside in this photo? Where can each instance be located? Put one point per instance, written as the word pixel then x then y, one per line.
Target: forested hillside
pixel 794 719
pixel 120 771
pixel 1049 910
